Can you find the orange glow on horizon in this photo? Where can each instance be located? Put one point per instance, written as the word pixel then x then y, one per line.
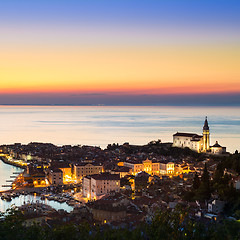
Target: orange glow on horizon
pixel 170 70
pixel 188 90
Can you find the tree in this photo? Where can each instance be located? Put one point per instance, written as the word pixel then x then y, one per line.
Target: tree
pixel 205 177
pixel 196 182
pixel 204 191
pixel 218 174
pixel 166 224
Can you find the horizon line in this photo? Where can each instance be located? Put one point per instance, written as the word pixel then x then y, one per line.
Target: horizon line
pixel 128 105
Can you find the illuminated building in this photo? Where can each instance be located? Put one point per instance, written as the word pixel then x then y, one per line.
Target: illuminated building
pixel 34 176
pixel 189 140
pixel 206 137
pixel 167 168
pixel 66 170
pixel 151 167
pixel 197 142
pixel 81 170
pixel 95 186
pixel 193 141
pixel 147 166
pixel 136 167
pixel 55 176
pixel 218 149
pixel 183 168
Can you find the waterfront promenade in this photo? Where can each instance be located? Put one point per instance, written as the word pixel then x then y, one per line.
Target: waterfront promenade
pixel 17 163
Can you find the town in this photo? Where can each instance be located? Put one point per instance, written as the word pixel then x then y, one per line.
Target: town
pixel 125 184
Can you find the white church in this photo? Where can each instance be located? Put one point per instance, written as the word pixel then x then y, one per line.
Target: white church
pixel 198 143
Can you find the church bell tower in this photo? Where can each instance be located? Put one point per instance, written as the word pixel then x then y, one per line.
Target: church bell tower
pixel 206 134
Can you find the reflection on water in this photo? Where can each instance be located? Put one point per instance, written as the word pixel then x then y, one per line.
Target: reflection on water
pixel 102 125
pixel 24 199
pixel 5 172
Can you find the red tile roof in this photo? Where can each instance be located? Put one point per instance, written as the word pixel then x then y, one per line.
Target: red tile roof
pixel 106 176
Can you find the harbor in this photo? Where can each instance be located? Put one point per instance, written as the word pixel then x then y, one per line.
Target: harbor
pixel 8 174
pixel 64 201
pixel 18 197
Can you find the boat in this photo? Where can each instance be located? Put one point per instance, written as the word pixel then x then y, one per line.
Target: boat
pixel 42 197
pixel 61 200
pixel 7 198
pixel 14 195
pixel 50 198
pixel 71 203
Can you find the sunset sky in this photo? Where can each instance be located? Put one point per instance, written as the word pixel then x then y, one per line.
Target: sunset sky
pixel 119 52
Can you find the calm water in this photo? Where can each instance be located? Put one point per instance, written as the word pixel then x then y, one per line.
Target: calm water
pixel 5 173
pixel 29 199
pixel 102 125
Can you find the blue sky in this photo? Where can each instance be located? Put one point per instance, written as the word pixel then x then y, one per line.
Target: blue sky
pixel 125 11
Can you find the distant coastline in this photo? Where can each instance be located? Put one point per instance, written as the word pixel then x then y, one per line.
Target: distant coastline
pixel 101 125
pixel 122 105
pixel 121 99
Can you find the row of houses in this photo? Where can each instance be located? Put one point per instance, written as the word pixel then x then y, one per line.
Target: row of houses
pixel 149 166
pixel 59 173
pixel 81 170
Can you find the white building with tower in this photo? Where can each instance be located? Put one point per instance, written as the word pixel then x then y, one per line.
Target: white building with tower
pixel 196 142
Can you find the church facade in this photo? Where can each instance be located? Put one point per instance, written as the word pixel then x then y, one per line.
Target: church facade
pixel 190 140
pixel 198 143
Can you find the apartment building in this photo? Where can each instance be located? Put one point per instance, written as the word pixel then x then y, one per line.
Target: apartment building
pixel 81 170
pixel 150 167
pixel 95 186
pixel 55 176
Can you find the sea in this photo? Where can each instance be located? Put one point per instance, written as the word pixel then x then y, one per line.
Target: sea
pixel 103 125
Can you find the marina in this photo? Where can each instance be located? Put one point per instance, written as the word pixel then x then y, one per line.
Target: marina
pixel 10 198
pixel 7 175
pixel 57 202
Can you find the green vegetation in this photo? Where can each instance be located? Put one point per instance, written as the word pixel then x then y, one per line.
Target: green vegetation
pixel 203 192
pixel 231 162
pixel 165 225
pixel 201 189
pixel 157 148
pixel 221 185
